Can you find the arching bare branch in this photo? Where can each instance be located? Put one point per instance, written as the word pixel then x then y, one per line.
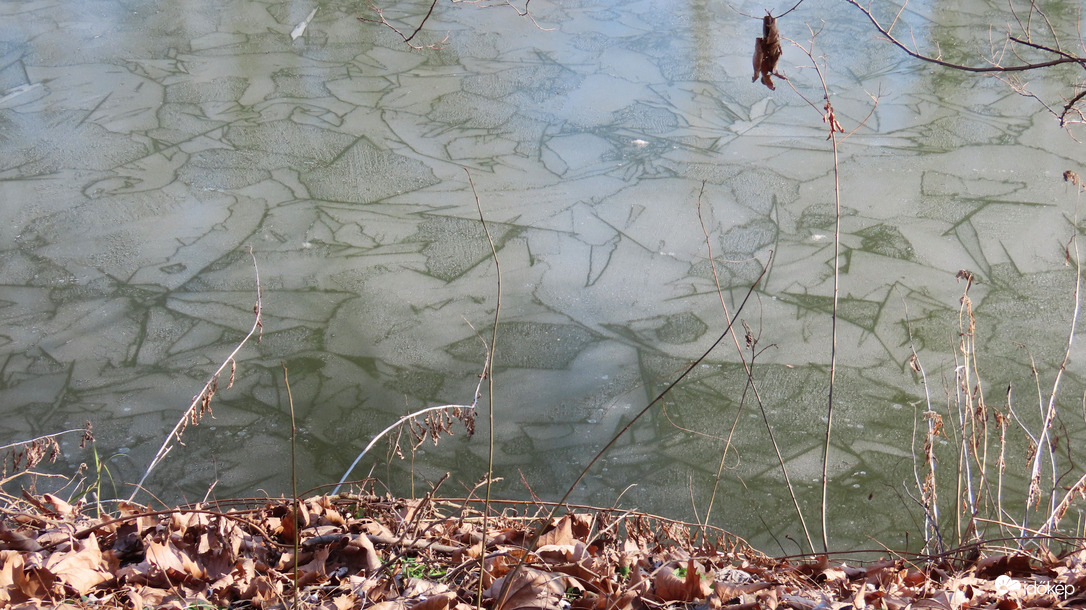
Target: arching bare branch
pixel 1070 113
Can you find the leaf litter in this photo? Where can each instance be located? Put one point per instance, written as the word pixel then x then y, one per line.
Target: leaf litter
pixel 383 553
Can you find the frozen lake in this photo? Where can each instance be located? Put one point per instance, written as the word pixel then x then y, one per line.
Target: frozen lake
pixel 145 146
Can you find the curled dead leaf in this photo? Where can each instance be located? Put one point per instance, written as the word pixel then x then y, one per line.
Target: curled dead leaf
pixel 369 558
pixel 16 541
pixel 767 51
pixel 58 506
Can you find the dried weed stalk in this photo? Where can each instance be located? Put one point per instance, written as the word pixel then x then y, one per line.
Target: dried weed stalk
pixel 430 422
pixel 201 403
pixel 1058 510
pixel 979 502
pixel 21 457
pixel 972 420
pixel 829 117
pixel 929 503
pixel 488 372
pixel 433 422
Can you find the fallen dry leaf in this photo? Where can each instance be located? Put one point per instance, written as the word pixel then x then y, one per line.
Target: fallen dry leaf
pixel 11 572
pixel 530 589
pixel 189 557
pixel 81 569
pixel 561 534
pixel 345 601
pixel 728 591
pixel 169 559
pixel 439 601
pixel 674 583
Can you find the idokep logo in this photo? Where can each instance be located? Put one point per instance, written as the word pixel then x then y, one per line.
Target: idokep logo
pixel 1006 584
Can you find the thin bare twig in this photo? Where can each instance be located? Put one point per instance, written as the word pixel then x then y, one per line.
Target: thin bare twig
pixel 749 370
pixel 293 480
pixel 830 118
pixel 1063 59
pixel 497 3
pixel 1070 109
pixel 406 38
pixel 489 373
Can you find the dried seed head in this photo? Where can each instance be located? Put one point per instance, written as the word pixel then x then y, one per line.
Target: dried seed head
pixel 87 436
pixel 914 363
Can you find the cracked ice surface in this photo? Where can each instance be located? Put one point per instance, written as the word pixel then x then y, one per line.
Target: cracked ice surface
pixel 145 146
